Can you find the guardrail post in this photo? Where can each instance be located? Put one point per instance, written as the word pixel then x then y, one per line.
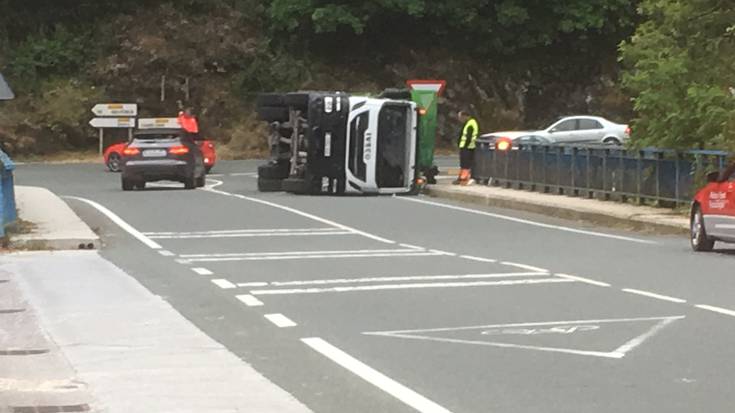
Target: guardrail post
pixel 659 158
pixel 677 190
pixel 590 193
pixel 623 155
pixel 575 152
pixel 638 173
pixel 532 182
pixel 559 189
pixel 605 192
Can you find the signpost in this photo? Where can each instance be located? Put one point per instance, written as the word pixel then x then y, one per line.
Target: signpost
pixel 114 116
pixel 426 93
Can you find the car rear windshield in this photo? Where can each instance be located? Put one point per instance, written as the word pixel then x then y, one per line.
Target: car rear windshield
pixel 158 136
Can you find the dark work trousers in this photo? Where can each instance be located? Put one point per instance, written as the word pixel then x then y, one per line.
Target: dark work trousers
pixel 466 158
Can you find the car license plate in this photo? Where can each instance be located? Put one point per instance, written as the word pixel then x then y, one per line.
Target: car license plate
pixel 154 153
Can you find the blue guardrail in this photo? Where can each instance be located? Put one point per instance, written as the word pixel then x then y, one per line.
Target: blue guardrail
pixel 7 192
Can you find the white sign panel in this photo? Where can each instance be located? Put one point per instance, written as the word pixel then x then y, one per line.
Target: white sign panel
pixel 116 109
pixel 159 123
pixel 112 123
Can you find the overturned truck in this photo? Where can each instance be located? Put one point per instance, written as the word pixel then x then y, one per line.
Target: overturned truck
pixel 332 142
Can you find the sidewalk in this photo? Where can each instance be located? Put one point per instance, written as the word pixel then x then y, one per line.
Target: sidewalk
pixel 55 225
pixel 599 212
pixel 112 346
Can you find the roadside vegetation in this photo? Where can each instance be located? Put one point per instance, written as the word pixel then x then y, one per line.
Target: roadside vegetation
pixel 517 64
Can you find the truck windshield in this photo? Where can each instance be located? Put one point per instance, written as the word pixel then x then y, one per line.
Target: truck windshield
pixel 392 146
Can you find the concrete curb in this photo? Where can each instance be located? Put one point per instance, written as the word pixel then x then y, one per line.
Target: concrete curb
pixel 637 218
pixel 56 226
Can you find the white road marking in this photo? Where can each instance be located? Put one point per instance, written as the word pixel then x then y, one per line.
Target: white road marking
pixel 583 280
pixel 247 234
pixel 202 271
pixel 279 253
pixel 312 257
pixel 408 286
pixel 249 300
pixel 413 247
pixel 528 222
pixel 280 320
pixel 250 174
pixel 166 253
pixel 182 261
pixel 305 215
pixel 630 345
pixel 720 310
pixel 244 231
pixel 524 266
pixel 653 295
pixel 374 377
pixel 213 183
pixel 120 222
pixel 390 279
pixel 440 252
pixel 478 259
pixel 223 284
pixel 618 353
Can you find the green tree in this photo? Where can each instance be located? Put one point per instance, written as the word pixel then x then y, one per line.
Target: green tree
pixel 680 69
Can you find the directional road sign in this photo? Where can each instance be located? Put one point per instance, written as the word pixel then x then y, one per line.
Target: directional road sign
pixel 112 123
pixel 116 109
pixel 159 123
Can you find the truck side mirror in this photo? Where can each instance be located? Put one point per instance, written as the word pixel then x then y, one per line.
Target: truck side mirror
pixel 713 177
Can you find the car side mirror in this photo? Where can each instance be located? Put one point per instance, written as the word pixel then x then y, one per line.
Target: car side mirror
pixel 713 177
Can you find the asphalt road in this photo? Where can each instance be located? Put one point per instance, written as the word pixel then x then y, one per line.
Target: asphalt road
pixel 398 304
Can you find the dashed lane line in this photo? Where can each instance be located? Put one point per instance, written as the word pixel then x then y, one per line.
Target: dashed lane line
pixel 720 310
pixel 280 320
pixel 202 271
pixel 374 377
pixel 249 300
pixel 654 295
pixel 224 284
pixel 166 253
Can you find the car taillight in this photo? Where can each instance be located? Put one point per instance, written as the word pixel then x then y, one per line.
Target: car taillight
pixel 131 151
pixel 503 144
pixel 628 131
pixel 178 150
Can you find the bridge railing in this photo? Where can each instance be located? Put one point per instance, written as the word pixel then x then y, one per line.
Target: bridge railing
pixel 663 177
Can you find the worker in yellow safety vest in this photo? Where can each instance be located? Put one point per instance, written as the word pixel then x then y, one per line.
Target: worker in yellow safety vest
pixel 467 144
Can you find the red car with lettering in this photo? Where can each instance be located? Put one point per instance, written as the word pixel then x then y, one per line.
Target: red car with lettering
pixel 713 211
pixel 113 155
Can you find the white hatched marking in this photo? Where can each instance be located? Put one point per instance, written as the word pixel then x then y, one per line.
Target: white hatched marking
pixel 478 259
pixel 249 300
pixel 280 320
pixel 202 271
pixel 583 280
pixel 407 286
pixel 524 266
pixel 224 284
pixel 374 377
pixel 166 253
pixel 389 279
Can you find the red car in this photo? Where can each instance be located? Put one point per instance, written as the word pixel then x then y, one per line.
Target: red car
pixel 713 211
pixel 113 155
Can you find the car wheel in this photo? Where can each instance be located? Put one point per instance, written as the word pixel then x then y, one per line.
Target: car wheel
pixel 201 181
pixel 269 185
pixel 127 185
pixel 699 240
pixel 190 182
pixel 114 162
pixel 612 141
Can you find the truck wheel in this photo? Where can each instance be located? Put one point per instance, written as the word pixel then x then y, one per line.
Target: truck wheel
pixel 270 99
pixel 699 240
pixel 273 113
pixel 278 170
pixel 299 101
pixel 269 185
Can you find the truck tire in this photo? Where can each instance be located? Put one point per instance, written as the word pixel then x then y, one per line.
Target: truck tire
pixel 273 113
pixel 269 185
pixel 299 100
pixel 279 170
pixel 270 99
pixel 301 186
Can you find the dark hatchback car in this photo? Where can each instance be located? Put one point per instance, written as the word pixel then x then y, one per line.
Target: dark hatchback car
pixel 162 155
